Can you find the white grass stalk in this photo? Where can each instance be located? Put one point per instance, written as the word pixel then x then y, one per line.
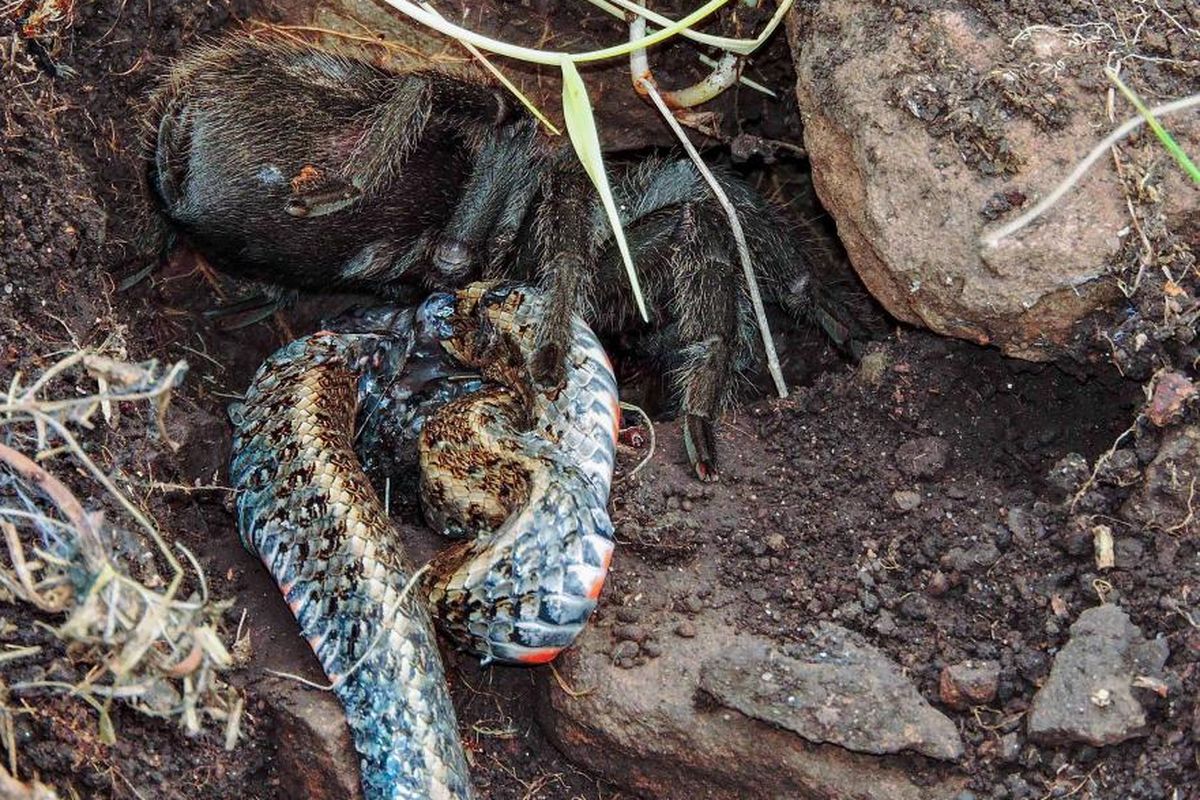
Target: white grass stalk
pixel 739 236
pixel 426 15
pixel 730 45
pixel 1130 125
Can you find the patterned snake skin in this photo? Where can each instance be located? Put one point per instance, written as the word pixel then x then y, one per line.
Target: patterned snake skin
pixel 525 473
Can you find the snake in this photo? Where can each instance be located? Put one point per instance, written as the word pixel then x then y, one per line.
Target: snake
pixel 517 474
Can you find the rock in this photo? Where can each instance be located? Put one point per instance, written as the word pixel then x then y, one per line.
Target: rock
pixel 920 135
pixel 923 458
pixel 685 629
pixel 1130 552
pixel 13 789
pixel 938 584
pixel 1010 748
pixel 630 633
pixel 1069 473
pixel 1088 696
pixel 315 758
pixel 1169 497
pixel 972 559
pixel 885 625
pixel 715 714
pixel 916 606
pixel 625 652
pixel 1023 525
pixel 906 500
pixel 628 614
pixel 1172 391
pixel 969 683
pixel 1120 468
pixel 845 692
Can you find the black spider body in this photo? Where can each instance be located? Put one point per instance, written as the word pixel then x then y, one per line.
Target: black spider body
pixel 313 171
pixel 309 170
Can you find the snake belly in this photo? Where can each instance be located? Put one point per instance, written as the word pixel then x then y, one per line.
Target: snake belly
pixel 520 590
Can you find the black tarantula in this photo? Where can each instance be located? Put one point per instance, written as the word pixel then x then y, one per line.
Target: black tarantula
pixel 309 170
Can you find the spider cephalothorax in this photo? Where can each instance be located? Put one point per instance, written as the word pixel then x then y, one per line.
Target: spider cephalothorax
pixel 309 170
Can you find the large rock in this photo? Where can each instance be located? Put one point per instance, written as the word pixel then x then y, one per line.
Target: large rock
pixel 926 125
pixel 841 690
pixel 1089 694
pixel 315 758
pixel 722 715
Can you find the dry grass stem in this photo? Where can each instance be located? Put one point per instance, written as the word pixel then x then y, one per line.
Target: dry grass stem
pixel 95 557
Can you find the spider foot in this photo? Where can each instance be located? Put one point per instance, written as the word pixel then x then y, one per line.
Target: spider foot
pixel 701 444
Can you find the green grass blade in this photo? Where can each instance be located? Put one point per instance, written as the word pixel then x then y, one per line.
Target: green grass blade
pixel 581 126
pixel 1168 141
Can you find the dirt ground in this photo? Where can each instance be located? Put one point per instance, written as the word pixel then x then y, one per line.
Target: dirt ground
pixel 807 506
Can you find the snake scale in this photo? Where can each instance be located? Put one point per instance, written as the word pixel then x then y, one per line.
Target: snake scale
pixel 522 475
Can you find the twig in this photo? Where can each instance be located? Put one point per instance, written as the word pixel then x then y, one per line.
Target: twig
pixel 140 637
pixel 650 427
pixel 1100 462
pixel 1191 510
pixel 562 684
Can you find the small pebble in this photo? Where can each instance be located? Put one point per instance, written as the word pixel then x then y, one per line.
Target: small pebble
pixel 916 606
pixel 685 629
pixel 970 683
pixel 906 500
pixel 624 651
pixel 870 602
pixel 630 633
pixel 628 614
pixel 885 625
pixel 1010 748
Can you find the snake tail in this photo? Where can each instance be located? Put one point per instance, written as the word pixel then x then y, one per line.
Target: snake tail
pixel 307 509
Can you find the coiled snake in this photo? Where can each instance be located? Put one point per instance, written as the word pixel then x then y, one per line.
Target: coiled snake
pixel 527 472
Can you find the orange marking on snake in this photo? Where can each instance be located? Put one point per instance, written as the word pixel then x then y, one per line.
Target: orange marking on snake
pixel 598 586
pixel 616 415
pixel 541 655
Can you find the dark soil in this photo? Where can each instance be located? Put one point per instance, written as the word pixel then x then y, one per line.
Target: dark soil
pixel 804 526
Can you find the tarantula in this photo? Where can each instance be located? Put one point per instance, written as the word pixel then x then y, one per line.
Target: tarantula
pixel 310 170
